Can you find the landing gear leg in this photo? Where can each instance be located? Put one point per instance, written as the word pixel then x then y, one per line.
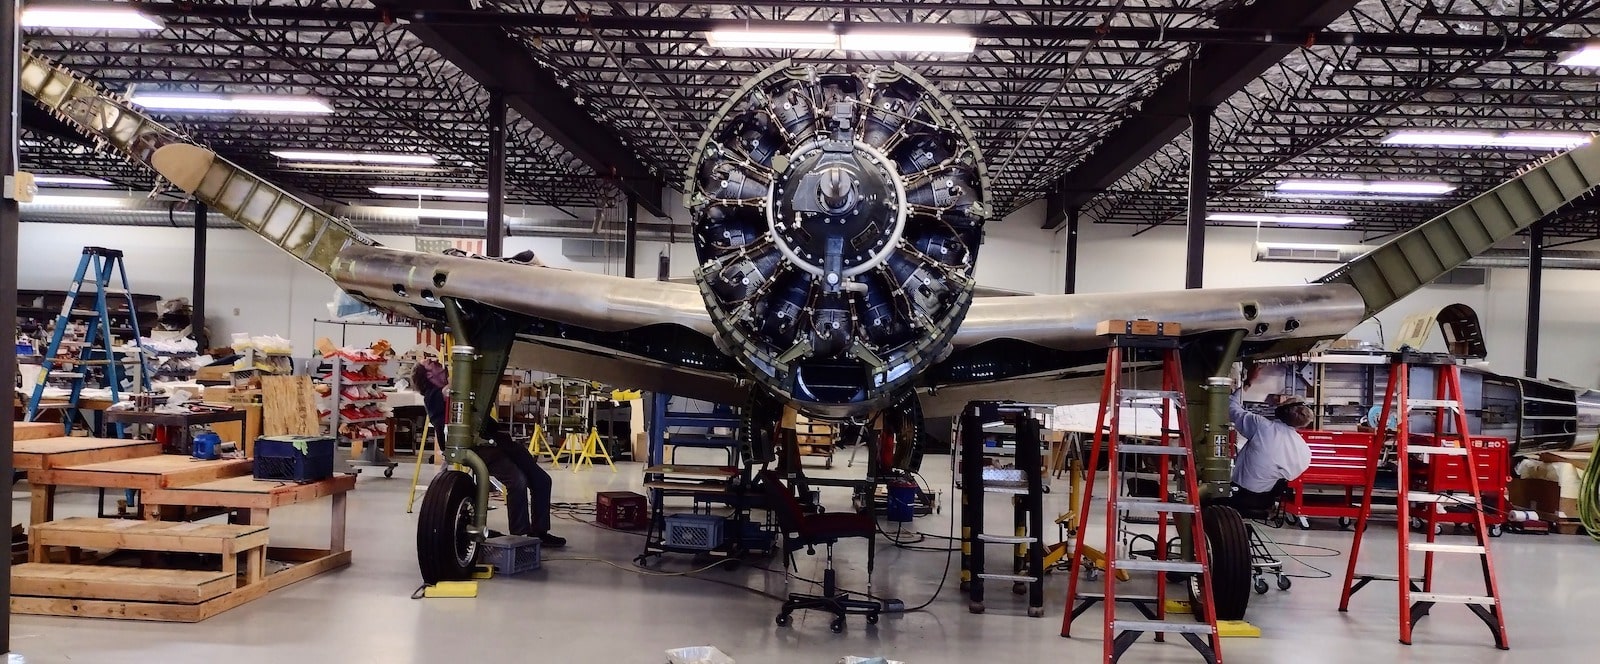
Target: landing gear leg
pixel 455 509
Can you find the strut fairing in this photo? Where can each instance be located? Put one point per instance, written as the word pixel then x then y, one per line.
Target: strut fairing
pixel 837 222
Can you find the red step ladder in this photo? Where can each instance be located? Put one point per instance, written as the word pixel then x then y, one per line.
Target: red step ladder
pixel 1417 596
pixel 1121 633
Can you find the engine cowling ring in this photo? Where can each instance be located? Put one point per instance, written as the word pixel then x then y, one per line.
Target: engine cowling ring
pixel 837 223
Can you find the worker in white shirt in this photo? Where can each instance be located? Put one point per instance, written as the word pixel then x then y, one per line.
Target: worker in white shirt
pixel 1271 453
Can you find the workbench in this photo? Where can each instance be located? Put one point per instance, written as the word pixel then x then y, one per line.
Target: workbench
pixel 146 473
pixel 183 441
pixel 254 499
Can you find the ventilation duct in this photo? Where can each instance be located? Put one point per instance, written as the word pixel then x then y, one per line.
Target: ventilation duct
pixel 172 214
pixel 1556 259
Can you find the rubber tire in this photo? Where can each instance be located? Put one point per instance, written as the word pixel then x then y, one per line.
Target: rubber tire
pixel 445 551
pixel 1496 531
pixel 1260 586
pixel 388 472
pixel 783 620
pixel 1346 523
pixel 1229 551
pixel 837 625
pixel 1284 583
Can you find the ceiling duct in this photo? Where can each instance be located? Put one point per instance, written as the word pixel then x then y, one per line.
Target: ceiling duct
pixel 159 213
pixel 1292 252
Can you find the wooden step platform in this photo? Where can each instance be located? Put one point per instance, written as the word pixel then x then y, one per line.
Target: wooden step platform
pixel 132 593
pixel 61 451
pixel 41 587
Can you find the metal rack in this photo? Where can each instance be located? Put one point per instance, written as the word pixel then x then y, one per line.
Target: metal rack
pixel 371 446
pixel 704 485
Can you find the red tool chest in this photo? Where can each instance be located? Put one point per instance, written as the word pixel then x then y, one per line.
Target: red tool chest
pixel 1338 461
pixel 1491 457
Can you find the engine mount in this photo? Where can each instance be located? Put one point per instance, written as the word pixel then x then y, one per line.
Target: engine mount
pixel 837 223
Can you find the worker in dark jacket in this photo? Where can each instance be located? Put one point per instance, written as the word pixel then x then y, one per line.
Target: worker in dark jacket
pixel 508 462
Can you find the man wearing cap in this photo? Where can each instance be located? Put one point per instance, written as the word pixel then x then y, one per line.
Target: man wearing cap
pixel 1271 453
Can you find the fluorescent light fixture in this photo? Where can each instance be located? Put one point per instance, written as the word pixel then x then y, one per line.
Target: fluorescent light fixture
pixel 1531 140
pixel 420 212
pixel 80 201
pixel 357 157
pixel 108 17
pixel 70 181
pixel 1364 188
pixel 1281 219
pixel 159 101
pixel 1588 56
pixel 908 42
pixel 772 38
pixel 323 167
pixel 471 194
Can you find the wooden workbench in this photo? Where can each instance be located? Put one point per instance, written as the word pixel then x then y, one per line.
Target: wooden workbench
pixel 32 430
pixel 146 473
pixel 254 500
pixel 48 453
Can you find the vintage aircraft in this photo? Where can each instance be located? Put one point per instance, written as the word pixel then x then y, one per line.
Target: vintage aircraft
pixel 838 219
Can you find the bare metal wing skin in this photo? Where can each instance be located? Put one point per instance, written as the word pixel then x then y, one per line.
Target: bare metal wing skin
pixel 662 336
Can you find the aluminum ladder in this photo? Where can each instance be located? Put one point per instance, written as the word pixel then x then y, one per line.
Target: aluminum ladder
pixel 1417 597
pixel 1174 445
pixel 104 270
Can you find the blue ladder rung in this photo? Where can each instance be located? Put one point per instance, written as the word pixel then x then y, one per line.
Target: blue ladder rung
pixel 690 440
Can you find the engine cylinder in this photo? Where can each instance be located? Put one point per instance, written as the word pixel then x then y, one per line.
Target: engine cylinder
pixel 837 224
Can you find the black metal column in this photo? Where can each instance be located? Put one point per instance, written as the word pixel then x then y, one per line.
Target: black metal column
pixel 971 469
pixel 630 237
pixel 10 40
pixel 495 229
pixel 1071 285
pixel 1530 361
pixel 1199 188
pixel 198 299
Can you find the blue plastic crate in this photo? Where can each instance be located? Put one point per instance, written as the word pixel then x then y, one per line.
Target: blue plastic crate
pixel 280 458
pixel 512 554
pixel 693 531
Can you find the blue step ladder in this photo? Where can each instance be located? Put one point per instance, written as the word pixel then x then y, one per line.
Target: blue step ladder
pixel 104 270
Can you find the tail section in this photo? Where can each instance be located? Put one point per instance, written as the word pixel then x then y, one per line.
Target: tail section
pixel 309 234
pixel 1422 254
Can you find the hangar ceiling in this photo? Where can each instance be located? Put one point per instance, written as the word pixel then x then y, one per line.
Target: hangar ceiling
pixel 1081 102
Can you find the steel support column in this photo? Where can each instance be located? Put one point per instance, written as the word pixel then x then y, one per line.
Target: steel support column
pixel 1071 285
pixel 1530 361
pixel 197 322
pixel 495 228
pixel 1199 187
pixel 10 40
pixel 630 238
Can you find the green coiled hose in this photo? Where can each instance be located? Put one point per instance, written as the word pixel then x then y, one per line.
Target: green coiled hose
pixel 1589 495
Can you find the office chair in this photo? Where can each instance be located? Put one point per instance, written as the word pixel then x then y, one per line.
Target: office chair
pixel 801 530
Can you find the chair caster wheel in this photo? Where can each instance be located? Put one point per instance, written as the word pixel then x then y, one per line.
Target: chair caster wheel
pixel 837 625
pixel 1035 611
pixel 1284 582
pixel 872 619
pixel 783 620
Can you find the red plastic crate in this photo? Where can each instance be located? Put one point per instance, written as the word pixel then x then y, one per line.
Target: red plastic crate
pixel 623 510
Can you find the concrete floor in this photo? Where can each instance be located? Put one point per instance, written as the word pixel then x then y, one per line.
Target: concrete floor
pixel 579 609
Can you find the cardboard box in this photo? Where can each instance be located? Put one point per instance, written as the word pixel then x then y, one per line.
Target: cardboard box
pixel 217 373
pixel 1544 497
pixel 1579 460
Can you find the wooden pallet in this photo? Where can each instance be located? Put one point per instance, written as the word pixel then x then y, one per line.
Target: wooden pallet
pixel 142 593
